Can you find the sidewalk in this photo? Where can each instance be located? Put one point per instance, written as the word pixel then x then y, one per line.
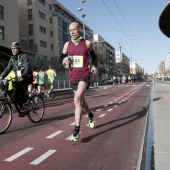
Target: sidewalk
pixel 161 125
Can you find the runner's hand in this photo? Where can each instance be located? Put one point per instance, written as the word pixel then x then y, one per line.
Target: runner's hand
pixel 94 70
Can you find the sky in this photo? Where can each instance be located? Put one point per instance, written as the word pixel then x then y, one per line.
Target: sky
pixel 131 24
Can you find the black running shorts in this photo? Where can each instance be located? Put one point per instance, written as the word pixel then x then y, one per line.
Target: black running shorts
pixel 74 84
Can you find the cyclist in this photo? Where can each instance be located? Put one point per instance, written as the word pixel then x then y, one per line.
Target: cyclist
pixel 20 64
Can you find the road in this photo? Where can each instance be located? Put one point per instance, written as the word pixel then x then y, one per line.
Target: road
pixel 120 115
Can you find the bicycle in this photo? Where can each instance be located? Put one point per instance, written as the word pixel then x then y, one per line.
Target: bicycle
pixel 35 112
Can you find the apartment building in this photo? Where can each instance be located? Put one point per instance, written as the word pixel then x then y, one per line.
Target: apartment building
pixel 44 31
pixel 122 63
pixel 9 29
pixel 106 57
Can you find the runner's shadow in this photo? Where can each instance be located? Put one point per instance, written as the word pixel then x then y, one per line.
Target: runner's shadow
pixel 134 117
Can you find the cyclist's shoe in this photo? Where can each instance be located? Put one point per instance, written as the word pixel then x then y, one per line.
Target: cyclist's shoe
pixel 21 114
pixel 75 138
pixel 91 121
pixel 48 95
pixel 24 108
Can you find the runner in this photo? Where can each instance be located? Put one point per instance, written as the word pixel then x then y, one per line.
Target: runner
pixel 79 73
pixel 51 74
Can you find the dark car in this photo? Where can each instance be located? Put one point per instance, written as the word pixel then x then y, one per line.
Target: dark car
pixel 108 81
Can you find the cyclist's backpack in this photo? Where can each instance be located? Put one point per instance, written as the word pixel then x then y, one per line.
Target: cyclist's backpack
pixel 3 88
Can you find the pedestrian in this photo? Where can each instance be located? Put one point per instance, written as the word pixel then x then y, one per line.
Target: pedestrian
pixel 35 81
pixel 114 80
pixel 118 79
pixel 51 74
pixel 79 74
pixel 41 82
pixel 123 79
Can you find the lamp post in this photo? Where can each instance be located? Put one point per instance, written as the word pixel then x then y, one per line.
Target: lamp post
pixel 83 16
pixel 121 70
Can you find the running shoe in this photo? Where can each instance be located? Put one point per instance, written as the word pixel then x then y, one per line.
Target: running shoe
pixel 75 138
pixel 91 121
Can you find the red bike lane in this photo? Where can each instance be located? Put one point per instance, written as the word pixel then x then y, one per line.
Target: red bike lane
pixel 113 144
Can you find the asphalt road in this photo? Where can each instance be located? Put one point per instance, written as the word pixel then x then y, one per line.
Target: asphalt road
pixel 115 143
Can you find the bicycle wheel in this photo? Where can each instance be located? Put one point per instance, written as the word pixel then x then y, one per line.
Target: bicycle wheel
pixel 37 108
pixel 5 116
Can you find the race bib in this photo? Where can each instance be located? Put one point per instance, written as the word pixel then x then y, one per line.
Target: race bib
pixel 18 73
pixel 77 61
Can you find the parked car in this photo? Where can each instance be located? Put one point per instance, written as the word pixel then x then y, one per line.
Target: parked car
pixel 108 81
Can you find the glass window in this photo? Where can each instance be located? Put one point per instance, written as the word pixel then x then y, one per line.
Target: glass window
pixel 42 2
pixel 2 33
pixel 51 47
pixel 51 33
pixel 29 2
pixel 42 29
pixel 51 20
pixel 30 14
pixel 50 7
pixel 43 44
pixel 30 28
pixel 1 12
pixel 41 15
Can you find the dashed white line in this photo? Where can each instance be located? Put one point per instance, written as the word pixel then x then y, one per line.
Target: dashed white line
pixel 102 115
pixel 18 154
pixel 105 105
pixel 110 102
pixel 72 124
pixel 54 134
pixel 98 110
pixel 115 105
pixel 109 110
pixel 43 157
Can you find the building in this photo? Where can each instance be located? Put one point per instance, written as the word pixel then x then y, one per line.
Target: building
pixel 122 63
pixel 105 57
pixel 9 29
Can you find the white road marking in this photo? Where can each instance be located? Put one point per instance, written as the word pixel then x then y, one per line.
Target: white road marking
pixel 43 157
pixel 115 100
pixel 147 85
pixel 54 134
pixel 110 102
pixel 115 105
pixel 98 110
pixel 105 105
pixel 18 154
pixel 120 103
pixel 109 110
pixel 102 115
pixel 72 124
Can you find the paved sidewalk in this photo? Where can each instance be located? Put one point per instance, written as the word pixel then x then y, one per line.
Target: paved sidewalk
pixel 161 125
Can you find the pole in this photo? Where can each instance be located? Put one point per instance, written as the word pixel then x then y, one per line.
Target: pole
pixel 83 15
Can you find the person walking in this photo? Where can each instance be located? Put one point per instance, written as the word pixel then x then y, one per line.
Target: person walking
pixel 51 74
pixel 79 74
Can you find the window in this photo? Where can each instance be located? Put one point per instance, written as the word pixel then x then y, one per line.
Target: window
pixel 50 7
pixel 51 47
pixel 42 2
pixel 43 44
pixel 51 20
pixel 2 33
pixel 1 12
pixel 42 29
pixel 51 33
pixel 29 14
pixel 29 2
pixel 41 15
pixel 30 28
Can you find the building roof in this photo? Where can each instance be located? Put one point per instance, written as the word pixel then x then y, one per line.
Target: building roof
pixel 164 20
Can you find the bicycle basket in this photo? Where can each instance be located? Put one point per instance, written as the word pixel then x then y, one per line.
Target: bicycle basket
pixel 3 88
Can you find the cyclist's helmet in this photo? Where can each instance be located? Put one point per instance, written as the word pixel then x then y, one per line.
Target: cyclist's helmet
pixel 16 44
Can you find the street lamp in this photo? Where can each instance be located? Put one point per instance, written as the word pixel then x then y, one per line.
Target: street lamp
pixel 83 16
pixel 121 69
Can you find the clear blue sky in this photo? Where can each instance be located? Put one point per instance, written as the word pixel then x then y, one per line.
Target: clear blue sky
pixel 126 20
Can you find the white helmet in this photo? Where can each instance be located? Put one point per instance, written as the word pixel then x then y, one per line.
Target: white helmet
pixel 16 44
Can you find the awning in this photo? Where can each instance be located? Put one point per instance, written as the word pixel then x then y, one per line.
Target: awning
pixel 164 20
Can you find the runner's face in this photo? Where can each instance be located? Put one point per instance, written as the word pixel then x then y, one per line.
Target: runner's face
pixel 74 31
